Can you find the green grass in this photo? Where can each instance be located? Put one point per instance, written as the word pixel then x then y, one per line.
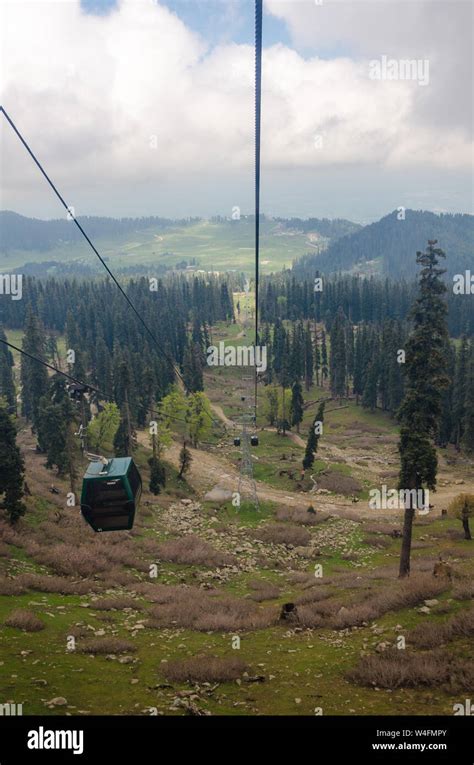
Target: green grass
pixel 215 246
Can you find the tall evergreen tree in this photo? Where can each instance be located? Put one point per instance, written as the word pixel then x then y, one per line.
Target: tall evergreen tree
pixel 313 438
pixel 468 420
pixel 11 469
pixel 308 358
pixel 426 379
pixel 7 383
pixel 297 402
pixel 338 355
pixel 34 378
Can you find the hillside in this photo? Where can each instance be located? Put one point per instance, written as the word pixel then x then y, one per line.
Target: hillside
pixel 205 635
pixel 388 246
pixel 56 246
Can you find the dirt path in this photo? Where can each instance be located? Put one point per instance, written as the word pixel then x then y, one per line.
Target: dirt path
pixel 222 416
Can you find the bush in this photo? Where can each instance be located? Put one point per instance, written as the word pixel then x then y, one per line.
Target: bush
pixel 25 620
pixel 194 551
pixel 194 608
pixel 204 669
pixel 401 669
pixel 401 594
pixel 283 534
pixel 11 587
pixel 116 603
pixel 59 584
pixel 106 645
pixel 263 590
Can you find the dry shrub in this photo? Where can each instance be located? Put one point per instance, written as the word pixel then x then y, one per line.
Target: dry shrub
pixel 4 550
pixel 204 669
pixel 117 577
pixel 301 517
pixel 11 587
pixel 463 591
pixel 401 594
pixel 194 608
pixel 318 613
pixel 283 534
pixel 56 584
pixel 375 540
pixel 313 595
pixel 263 590
pixel 9 535
pixel 401 669
pixel 194 551
pixel 462 624
pixel 68 560
pixel 339 483
pixel 25 620
pixel 104 645
pixel 379 528
pixel 115 603
pixel 430 634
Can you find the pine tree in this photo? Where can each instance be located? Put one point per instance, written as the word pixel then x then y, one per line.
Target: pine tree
pixel 308 358
pixel 7 383
pixel 338 355
pixel 11 469
pixel 324 359
pixel 426 379
pixel 313 438
pixel 297 402
pixel 34 378
pixel 468 420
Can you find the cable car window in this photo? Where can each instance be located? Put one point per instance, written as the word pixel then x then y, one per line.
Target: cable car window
pixel 134 478
pixel 101 492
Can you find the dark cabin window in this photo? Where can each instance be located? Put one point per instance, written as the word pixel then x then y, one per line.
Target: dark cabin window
pixel 134 478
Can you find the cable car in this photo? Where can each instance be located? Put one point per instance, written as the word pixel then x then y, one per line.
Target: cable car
pixel 254 441
pixel 111 494
pixel 236 441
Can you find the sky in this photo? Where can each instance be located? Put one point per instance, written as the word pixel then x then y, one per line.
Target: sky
pixel 146 107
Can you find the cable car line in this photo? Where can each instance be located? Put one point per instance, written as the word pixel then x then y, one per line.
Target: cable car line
pixel 81 229
pixel 90 243
pixel 93 388
pixel 258 115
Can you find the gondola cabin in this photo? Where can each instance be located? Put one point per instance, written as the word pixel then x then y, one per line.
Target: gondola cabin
pixel 236 441
pixel 254 441
pixel 110 494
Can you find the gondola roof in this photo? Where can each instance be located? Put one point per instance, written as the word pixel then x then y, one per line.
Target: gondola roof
pixel 115 468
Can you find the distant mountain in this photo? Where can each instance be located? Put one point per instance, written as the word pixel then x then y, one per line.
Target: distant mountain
pixel 329 228
pixel 18 232
pixel 389 246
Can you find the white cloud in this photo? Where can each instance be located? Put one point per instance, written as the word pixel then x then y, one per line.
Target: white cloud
pixel 89 93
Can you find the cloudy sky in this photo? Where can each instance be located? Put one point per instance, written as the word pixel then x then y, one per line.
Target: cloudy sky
pixel 140 107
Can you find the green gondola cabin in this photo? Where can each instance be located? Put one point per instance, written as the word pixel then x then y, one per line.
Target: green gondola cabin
pixel 111 494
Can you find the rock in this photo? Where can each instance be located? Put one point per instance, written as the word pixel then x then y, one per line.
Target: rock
pixel 126 659
pixel 58 701
pixel 186 502
pixel 431 603
pixel 424 610
pixel 381 647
